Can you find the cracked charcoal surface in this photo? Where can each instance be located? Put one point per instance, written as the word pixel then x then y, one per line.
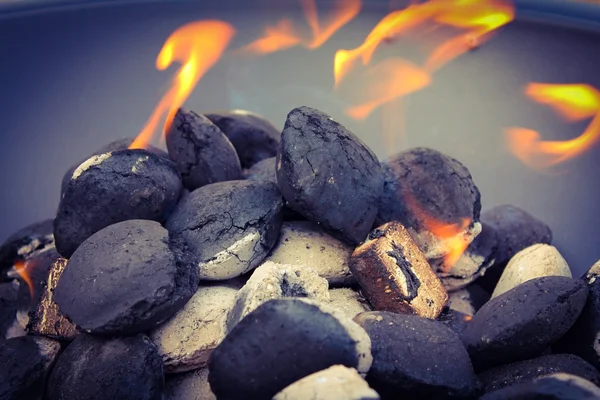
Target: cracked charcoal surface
pixel 328 175
pixel 523 371
pixel 26 362
pixel 128 184
pixel 201 151
pixel 405 347
pixel 551 387
pixel 24 242
pixel 126 278
pixel 253 137
pixel 119 144
pixel 93 368
pixel 524 321
pixel 516 230
pixel 412 281
pixel 263 170
pixel 582 338
pixel 441 186
pixel 229 227
pixel 279 343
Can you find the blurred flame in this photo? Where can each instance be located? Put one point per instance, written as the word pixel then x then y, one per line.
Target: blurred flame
pixel 574 102
pixel 22 269
pixel 197 46
pixel 386 81
pixel 284 35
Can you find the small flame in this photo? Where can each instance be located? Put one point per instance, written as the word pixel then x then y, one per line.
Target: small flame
pixel 22 268
pixel 284 35
pixel 574 102
pixel 386 81
pixel 468 318
pixel 197 46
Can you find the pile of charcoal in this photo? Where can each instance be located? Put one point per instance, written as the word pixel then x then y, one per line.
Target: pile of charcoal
pixel 248 263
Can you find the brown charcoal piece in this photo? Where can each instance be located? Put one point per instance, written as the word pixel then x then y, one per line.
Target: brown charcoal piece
pixel 253 137
pixel 201 151
pixel 394 274
pixel 46 319
pixel 23 243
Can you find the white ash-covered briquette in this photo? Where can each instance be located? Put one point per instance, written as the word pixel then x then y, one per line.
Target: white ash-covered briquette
pixel 524 321
pixel 416 358
pixel 582 338
pixel 191 385
pixel 94 368
pixel 469 299
pixel 186 340
pixel 46 319
pixel 334 383
pixel 25 363
pixel 425 188
pixel 229 227
pixel 348 301
pixel 523 371
pixel 275 281
pixel 532 262
pixel 21 244
pixel 474 262
pixel 119 144
pixel 115 187
pixel 201 151
pixel 394 274
pixel 253 137
pixel 263 170
pixel 9 324
pixel 516 229
pixel 127 278
pixel 328 175
pixel 559 386
pixel 306 243
pixel 281 342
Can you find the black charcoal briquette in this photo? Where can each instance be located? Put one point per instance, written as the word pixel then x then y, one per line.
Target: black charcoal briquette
pixel 115 187
pixel 550 387
pixel 127 278
pixel 201 151
pixel 24 242
pixel 263 170
pixel 329 175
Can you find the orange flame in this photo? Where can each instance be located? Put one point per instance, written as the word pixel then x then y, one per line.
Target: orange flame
pixel 574 102
pixel 386 81
pixel 284 35
pixel 22 269
pixel 197 46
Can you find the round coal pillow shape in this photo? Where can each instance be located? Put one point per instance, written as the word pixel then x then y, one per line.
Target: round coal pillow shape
pixel 328 175
pixel 229 227
pixel 119 144
pixel 201 151
pixel 115 187
pixel 282 341
pixel 263 170
pixel 93 368
pixel 124 279
pixel 524 321
pixel 253 137
pixel 415 357
pixel 21 244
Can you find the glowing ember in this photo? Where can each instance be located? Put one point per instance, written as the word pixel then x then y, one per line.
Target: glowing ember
pixel 22 268
pixel 284 35
pixel 574 102
pixel 386 81
pixel 197 46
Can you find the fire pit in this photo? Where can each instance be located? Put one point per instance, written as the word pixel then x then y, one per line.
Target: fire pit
pixel 290 200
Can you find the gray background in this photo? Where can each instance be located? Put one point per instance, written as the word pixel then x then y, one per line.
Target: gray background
pixel 74 78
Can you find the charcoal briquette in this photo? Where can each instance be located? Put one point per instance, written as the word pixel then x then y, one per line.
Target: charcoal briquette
pixel 25 364
pixel 468 300
pixel 127 278
pixel 455 320
pixel 263 170
pixel 415 357
pixel 94 368
pixel 550 387
pixel 201 151
pixel 115 187
pixel 21 244
pixel 253 137
pixel 523 371
pixel 523 322
pixel 329 175
pixel 9 324
pixel 281 342
pixel 229 227
pixel 349 301
pixel 191 385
